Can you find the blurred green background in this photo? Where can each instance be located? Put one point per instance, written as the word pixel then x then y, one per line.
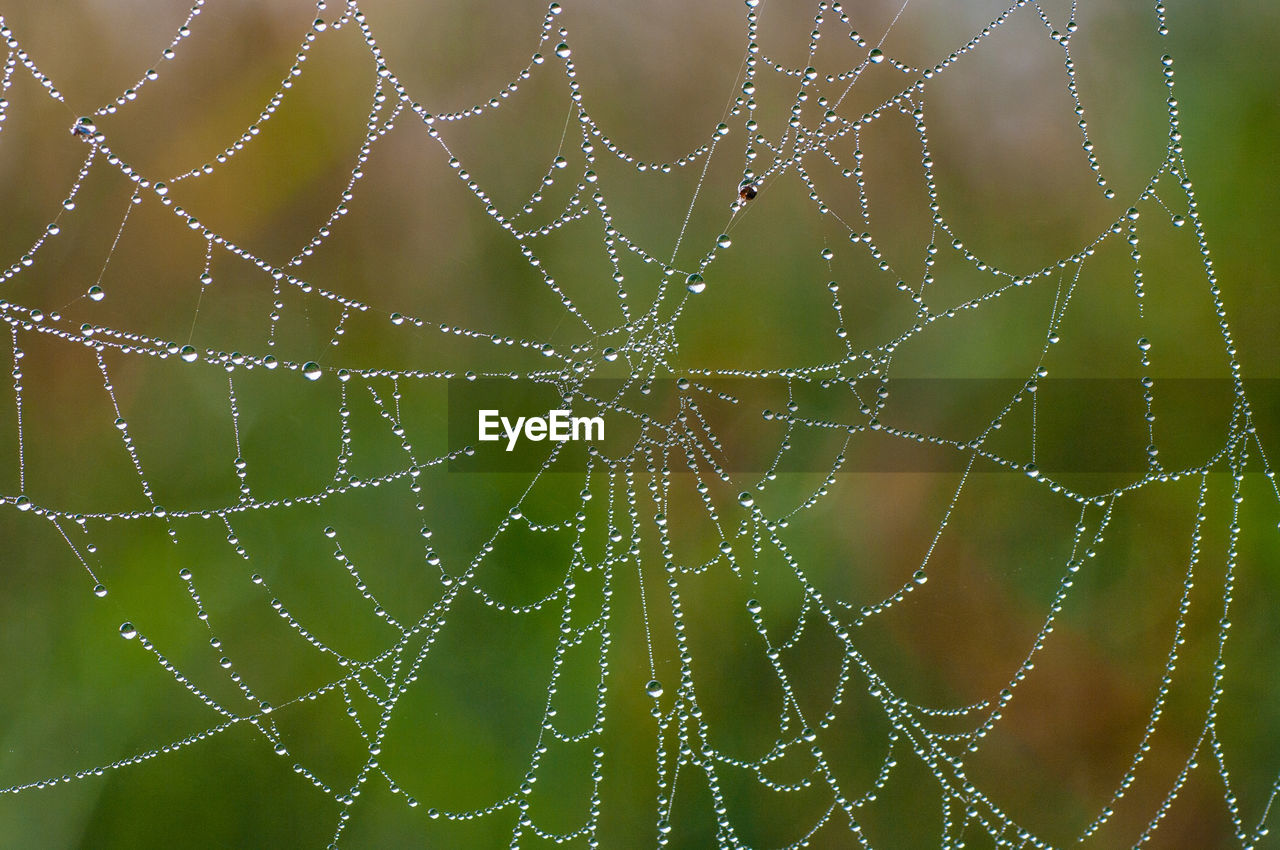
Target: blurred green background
pixel 1012 182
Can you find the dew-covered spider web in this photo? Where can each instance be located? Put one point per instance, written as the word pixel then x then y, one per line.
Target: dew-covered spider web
pixel 934 508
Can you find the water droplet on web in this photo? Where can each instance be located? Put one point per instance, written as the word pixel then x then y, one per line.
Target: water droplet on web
pixel 96 293
pixel 99 591
pixel 753 605
pixel 746 500
pixel 1179 220
pixel 563 51
pixel 311 370
pixel 127 631
pixel 188 353
pixel 919 577
pixel 22 503
pixel 653 689
pixel 724 241
pixel 876 56
pixel 694 283
pixel 610 354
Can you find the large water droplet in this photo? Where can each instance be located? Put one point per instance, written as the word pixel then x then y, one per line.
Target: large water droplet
pixel 96 293
pixel 127 631
pixel 695 283
pixel 311 370
pixel 746 500
pixel 653 689
pixel 563 51
pixel 724 241
pixel 188 353
pixel 876 55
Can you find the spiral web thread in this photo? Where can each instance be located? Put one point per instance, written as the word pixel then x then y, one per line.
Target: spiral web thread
pixel 631 491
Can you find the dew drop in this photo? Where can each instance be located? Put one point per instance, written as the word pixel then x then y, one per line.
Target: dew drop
pixel 876 56
pixel 695 283
pixel 99 591
pixel 311 370
pixel 746 500
pixel 96 293
pixel 188 354
pixel 723 240
pixel 563 51
pixel 919 577
pixel 753 605
pixel 22 503
pixel 610 354
pixel 653 689
pixel 127 631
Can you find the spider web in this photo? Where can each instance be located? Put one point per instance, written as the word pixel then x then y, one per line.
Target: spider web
pixel 230 446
